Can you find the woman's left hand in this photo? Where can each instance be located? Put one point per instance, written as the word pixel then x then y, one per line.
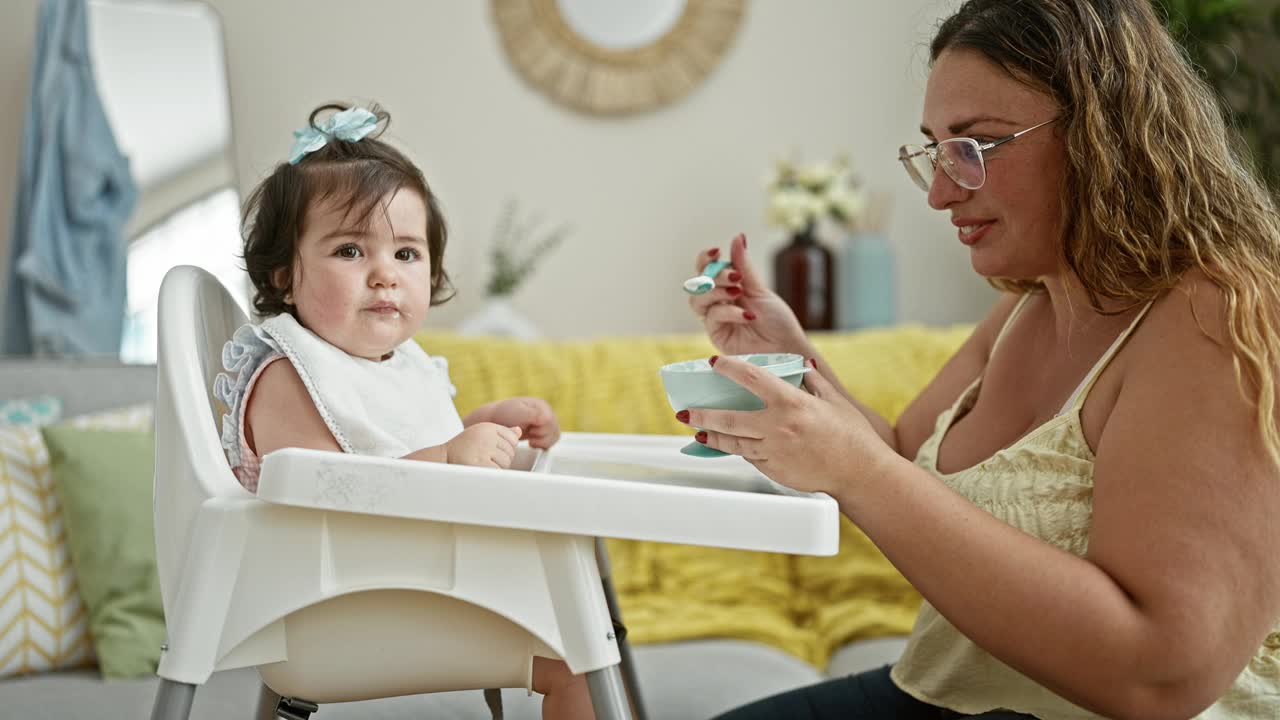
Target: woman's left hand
pixel 532 415
pixel 813 441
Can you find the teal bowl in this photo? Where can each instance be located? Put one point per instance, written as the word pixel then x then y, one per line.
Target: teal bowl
pixel 694 384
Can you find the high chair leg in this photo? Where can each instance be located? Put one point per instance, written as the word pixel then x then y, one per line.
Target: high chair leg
pixel 268 700
pixel 173 700
pixel 630 679
pixel 295 709
pixel 608 695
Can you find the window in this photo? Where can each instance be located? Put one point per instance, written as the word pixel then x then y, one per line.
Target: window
pixel 206 234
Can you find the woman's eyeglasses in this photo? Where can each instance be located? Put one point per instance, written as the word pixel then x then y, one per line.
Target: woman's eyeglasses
pixel 960 158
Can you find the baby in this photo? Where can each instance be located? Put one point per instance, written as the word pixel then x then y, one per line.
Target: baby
pixel 344 245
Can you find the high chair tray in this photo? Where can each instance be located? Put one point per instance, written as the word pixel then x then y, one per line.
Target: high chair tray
pixel 636 487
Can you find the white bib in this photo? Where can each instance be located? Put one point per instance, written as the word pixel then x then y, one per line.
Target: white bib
pixel 388 409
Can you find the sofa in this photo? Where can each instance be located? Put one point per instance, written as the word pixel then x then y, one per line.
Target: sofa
pixel 710 629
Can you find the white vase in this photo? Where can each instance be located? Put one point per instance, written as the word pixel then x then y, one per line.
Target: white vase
pixel 497 317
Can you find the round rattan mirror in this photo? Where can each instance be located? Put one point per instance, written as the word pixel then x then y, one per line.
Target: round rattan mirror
pixel 612 57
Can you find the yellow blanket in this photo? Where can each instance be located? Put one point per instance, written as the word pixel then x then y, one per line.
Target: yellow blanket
pixel 807 606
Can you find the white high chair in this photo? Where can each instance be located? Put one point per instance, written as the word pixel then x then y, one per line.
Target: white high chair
pixel 351 577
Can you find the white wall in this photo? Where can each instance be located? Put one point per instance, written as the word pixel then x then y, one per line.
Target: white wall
pixel 644 192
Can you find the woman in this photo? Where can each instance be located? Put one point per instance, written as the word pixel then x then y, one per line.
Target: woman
pixel 1090 514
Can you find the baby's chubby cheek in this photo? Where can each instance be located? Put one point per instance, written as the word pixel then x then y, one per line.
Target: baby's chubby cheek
pixel 325 309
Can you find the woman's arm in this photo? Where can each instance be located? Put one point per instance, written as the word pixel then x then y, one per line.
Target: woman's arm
pixel 1180 584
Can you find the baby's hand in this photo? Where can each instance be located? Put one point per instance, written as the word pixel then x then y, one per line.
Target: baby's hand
pixel 533 416
pixel 483 445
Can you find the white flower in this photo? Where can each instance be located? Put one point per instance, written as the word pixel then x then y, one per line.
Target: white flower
pixel 801 195
pixel 817 205
pixel 847 203
pixel 792 208
pixel 816 176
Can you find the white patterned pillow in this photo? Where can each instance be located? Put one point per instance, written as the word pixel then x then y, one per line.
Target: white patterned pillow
pixel 43 623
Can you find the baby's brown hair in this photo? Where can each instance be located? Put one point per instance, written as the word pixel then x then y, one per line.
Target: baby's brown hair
pixel 355 175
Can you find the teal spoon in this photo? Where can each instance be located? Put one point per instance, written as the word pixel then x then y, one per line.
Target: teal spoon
pixel 699 284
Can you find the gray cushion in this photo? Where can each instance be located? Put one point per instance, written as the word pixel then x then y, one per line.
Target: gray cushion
pixel 682 681
pixel 231 694
pixel 84 385
pixel 865 655
pixel 703 678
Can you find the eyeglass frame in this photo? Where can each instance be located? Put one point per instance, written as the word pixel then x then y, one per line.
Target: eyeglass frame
pixel 932 151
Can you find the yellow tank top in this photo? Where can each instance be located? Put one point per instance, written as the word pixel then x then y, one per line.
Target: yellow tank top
pixel 1043 485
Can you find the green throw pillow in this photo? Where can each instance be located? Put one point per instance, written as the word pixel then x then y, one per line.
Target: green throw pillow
pixel 103 481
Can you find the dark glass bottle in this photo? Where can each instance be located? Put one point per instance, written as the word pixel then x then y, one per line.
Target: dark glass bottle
pixel 802 275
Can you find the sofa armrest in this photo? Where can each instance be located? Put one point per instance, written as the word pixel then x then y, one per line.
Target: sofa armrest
pixel 84 384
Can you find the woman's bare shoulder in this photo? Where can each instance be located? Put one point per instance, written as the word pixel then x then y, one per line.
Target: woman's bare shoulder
pixel 1186 342
pixel 1194 313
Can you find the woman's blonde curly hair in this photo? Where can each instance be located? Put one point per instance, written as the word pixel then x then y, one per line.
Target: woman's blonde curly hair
pixel 1156 184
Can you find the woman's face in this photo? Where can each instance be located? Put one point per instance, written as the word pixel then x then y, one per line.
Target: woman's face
pixel 1012 224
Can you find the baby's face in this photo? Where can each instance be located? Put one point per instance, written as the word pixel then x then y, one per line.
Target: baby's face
pixel 364 290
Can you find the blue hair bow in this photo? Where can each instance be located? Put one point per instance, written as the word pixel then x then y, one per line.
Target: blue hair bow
pixel 351 125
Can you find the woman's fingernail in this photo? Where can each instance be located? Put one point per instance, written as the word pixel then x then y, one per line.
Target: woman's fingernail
pixel 813 362
pixel 748 315
pixel 701 436
pixel 713 360
pixel 735 276
pixel 733 290
pixel 744 240
pixel 713 252
pixel 683 416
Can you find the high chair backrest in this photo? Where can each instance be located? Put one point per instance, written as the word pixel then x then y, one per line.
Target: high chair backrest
pixel 197 316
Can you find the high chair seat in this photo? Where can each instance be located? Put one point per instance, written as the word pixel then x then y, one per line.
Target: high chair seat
pixel 350 577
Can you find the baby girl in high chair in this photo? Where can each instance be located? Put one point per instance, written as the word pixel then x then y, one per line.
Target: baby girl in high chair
pixel 344 245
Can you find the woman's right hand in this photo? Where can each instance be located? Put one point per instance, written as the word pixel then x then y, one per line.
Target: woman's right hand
pixel 484 444
pixel 742 315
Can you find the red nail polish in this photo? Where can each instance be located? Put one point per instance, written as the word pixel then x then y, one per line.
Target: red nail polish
pixel 735 276
pixel 813 362
pixel 701 436
pixel 713 360
pixel 713 252
pixel 733 291
pixel 748 315
pixel 683 416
